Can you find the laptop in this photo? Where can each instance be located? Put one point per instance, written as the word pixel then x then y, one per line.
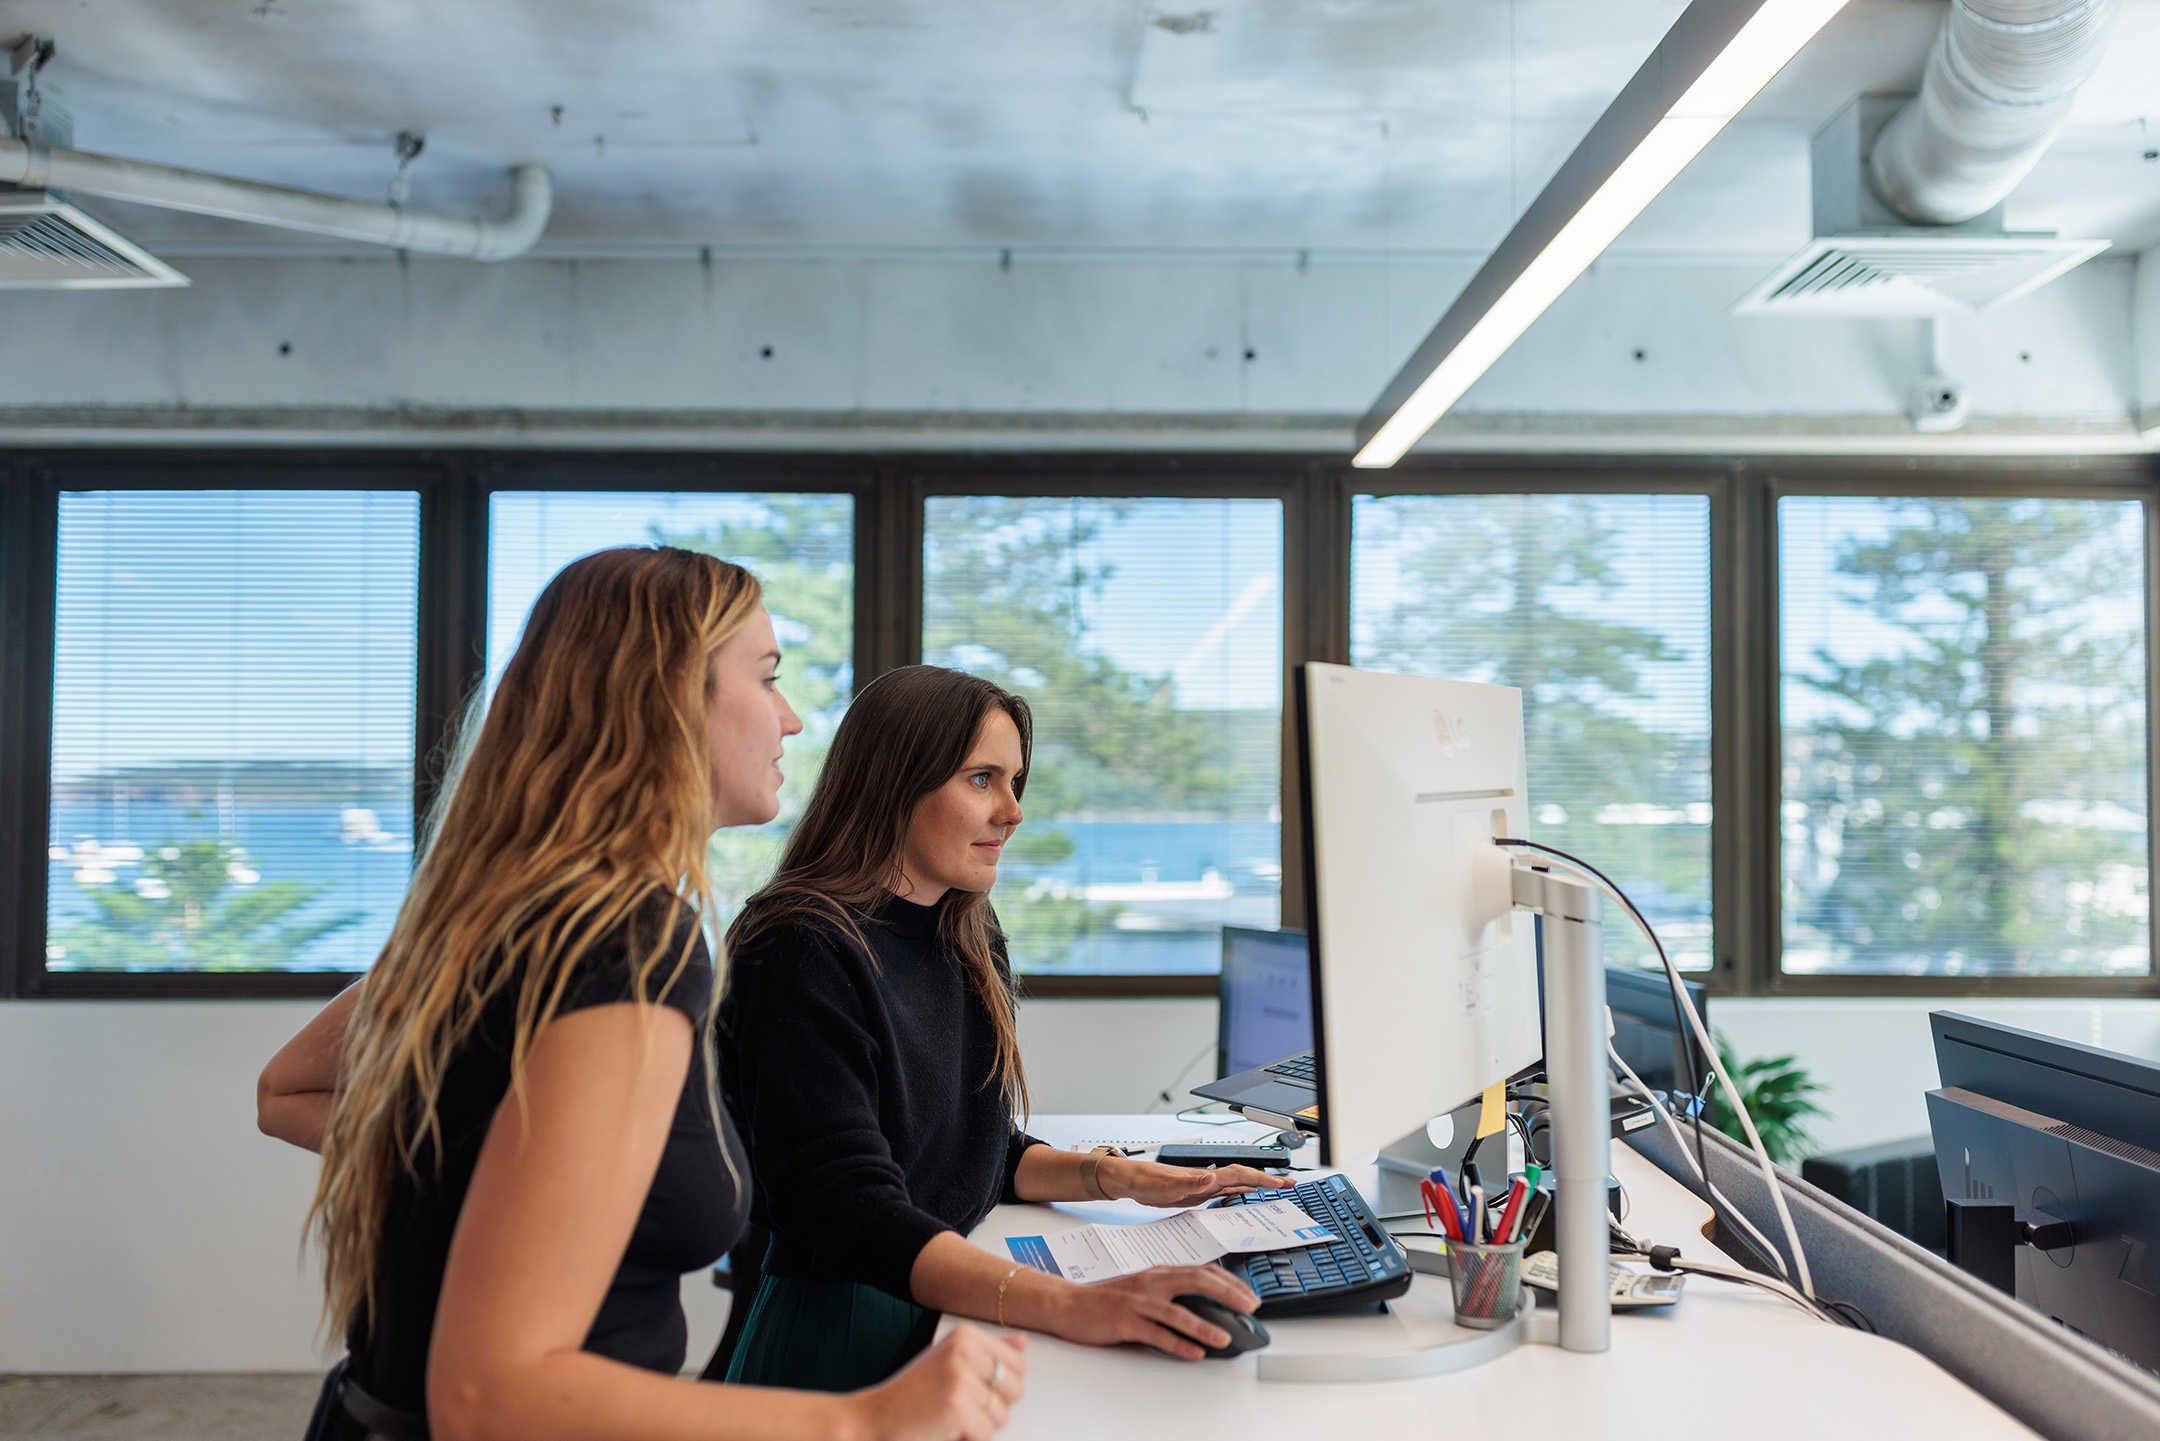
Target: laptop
pixel 1264 1031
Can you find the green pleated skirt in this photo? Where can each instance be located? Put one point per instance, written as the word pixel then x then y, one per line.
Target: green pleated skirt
pixel 827 1335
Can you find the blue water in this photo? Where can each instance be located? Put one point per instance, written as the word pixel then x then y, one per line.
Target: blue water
pixel 284 841
pixel 301 841
pixel 1123 852
pixel 1159 937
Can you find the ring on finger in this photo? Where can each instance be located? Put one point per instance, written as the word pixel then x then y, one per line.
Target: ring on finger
pixel 997 1371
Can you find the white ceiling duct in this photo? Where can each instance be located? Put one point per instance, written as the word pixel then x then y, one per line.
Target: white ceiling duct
pixel 1909 193
pixel 1999 85
pixel 53 243
pixel 1866 259
pixel 36 167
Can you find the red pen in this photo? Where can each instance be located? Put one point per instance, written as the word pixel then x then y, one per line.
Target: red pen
pixel 1517 1193
pixel 1440 1206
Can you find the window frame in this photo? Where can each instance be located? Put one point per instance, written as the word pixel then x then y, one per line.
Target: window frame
pixel 890 490
pixel 2053 477
pixel 1718 483
pixel 31 521
pixel 1311 516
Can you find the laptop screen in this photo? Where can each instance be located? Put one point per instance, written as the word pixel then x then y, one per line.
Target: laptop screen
pixel 1266 998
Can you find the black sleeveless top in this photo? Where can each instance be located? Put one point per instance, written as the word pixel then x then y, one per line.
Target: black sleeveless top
pixel 693 1213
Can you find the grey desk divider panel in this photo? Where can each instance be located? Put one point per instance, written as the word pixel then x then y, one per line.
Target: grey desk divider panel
pixel 2053 1380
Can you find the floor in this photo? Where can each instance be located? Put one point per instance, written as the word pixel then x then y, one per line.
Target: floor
pixel 246 1407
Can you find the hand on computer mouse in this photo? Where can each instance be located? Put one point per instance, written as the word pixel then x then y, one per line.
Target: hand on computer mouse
pixel 1245 1332
pixel 1145 1307
pixel 1152 1184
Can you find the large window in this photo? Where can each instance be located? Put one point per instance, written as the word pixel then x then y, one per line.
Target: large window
pixel 220 673
pixel 800 546
pixel 232 734
pixel 1147 635
pixel 1598 607
pixel 1964 721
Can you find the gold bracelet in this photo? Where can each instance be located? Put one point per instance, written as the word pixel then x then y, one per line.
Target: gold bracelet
pixel 1088 1183
pixel 1001 1292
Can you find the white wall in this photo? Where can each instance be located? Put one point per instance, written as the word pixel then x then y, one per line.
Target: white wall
pixel 1876 1059
pixel 146 1226
pixel 2145 328
pixel 1057 349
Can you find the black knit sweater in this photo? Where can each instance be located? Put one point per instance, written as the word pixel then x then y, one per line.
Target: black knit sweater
pixel 864 1086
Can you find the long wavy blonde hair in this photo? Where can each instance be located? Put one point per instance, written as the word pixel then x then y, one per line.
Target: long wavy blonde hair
pixel 583 795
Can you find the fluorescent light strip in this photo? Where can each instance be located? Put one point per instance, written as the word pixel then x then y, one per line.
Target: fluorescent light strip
pixel 1763 46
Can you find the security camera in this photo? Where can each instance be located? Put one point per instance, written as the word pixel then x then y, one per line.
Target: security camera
pixel 1938 403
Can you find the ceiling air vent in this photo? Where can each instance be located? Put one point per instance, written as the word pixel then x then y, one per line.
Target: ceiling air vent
pixel 1913 274
pixel 1864 260
pixel 47 244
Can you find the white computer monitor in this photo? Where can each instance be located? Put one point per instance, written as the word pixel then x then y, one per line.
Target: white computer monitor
pixel 1425 988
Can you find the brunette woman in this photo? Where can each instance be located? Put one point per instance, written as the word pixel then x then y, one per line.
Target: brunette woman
pixel 521 1149
pixel 869 1053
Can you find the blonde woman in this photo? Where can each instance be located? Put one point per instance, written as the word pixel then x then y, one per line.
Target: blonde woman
pixel 522 1148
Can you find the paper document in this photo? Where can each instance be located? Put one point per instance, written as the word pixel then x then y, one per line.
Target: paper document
pixel 1190 1238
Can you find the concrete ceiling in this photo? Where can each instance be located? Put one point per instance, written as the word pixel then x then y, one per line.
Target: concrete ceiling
pixel 1326 124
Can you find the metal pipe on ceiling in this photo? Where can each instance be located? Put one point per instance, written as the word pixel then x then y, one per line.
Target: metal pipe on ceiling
pixel 1999 84
pixel 532 195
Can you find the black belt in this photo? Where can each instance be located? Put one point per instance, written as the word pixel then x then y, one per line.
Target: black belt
pixel 379 1417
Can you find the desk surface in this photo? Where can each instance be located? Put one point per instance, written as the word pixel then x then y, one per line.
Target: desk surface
pixel 1728 1360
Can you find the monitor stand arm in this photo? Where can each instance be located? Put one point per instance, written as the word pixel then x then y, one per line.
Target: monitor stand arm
pixel 1581 1099
pixel 1577 1073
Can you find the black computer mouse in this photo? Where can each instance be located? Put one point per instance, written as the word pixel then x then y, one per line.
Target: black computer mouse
pixel 1246 1334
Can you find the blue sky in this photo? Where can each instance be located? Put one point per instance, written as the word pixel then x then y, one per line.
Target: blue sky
pixel 246 625
pixel 1823 611
pixel 1194 591
pixel 313 594
pixel 1660 556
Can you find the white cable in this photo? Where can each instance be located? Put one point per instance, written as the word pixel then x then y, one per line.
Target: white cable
pixel 1709 1047
pixel 1689 1156
pixel 1748 1278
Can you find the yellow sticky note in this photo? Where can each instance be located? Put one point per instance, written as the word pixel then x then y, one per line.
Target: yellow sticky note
pixel 1492 1112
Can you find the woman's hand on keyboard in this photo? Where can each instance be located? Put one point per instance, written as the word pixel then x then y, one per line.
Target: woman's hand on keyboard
pixel 1141 1308
pixel 1153 1184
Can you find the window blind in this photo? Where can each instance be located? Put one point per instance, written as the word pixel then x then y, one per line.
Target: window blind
pixel 800 547
pixel 1147 636
pixel 1962 708
pixel 232 728
pixel 1598 608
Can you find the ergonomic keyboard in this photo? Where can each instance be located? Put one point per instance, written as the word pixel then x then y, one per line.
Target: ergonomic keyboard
pixel 1361 1266
pixel 1297 1068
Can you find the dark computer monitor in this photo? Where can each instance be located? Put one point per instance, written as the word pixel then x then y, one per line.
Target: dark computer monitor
pixel 1649 1035
pixel 2061 1132
pixel 1647 1032
pixel 1266 1010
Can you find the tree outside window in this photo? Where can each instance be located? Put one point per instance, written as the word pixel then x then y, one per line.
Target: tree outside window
pixel 1147 636
pixel 1964 769
pixel 1597 607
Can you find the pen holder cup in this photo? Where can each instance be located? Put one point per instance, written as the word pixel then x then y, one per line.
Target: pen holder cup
pixel 1488 1283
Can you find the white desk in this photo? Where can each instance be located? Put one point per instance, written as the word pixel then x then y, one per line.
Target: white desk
pixel 1727 1361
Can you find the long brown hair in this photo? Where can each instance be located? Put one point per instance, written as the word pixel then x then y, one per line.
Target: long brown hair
pixel 905 735
pixel 580 803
